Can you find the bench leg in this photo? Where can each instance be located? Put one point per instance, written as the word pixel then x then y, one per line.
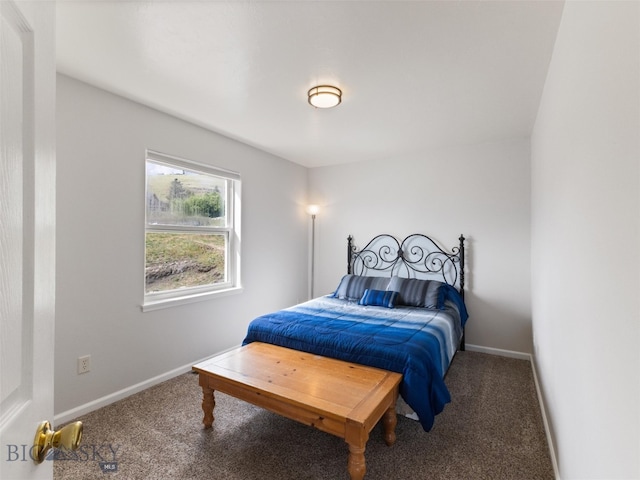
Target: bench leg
pixel 356 465
pixel 389 422
pixel 208 404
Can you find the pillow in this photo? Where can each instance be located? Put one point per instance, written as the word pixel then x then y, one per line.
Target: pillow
pixel 352 287
pixel 418 293
pixel 379 298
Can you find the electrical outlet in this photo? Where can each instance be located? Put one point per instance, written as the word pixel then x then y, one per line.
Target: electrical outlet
pixel 84 364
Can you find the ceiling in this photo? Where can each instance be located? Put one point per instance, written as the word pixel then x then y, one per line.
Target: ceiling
pixel 416 75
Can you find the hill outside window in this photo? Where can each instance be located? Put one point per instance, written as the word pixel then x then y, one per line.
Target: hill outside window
pixel 191 231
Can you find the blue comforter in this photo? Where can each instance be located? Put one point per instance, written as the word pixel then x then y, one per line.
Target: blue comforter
pixel 417 342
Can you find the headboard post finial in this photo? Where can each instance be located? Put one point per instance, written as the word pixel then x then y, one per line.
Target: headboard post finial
pixel 349 253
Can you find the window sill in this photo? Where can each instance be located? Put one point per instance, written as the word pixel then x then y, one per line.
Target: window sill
pixel 150 306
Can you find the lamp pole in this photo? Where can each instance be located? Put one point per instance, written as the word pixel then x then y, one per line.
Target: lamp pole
pixel 313 210
pixel 313 250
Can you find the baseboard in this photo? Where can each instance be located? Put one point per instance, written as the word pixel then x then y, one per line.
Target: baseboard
pixel 545 422
pixel 498 351
pixel 72 414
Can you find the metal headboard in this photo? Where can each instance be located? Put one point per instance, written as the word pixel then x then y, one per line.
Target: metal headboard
pixel 417 256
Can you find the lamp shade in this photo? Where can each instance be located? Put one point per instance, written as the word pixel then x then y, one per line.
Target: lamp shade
pixel 325 96
pixel 313 209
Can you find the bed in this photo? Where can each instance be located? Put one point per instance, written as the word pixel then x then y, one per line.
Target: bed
pixel 400 307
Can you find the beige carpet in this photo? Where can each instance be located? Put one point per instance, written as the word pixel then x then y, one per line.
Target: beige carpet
pixel 492 429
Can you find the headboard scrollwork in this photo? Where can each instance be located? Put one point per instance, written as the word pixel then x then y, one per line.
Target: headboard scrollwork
pixel 417 256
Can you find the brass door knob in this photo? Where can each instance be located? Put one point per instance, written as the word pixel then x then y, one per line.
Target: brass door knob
pixel 68 437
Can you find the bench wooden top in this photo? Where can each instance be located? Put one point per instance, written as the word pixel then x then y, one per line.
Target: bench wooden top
pixel 331 387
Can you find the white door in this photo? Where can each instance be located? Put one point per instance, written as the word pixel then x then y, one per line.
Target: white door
pixel 27 231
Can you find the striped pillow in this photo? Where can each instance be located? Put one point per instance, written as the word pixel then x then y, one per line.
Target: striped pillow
pixel 379 298
pixel 418 293
pixel 352 287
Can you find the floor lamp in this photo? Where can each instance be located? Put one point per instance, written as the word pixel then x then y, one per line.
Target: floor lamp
pixel 313 211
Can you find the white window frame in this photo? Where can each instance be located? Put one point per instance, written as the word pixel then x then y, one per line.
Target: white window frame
pixel 181 296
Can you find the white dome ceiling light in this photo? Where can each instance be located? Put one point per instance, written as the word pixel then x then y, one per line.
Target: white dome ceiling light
pixel 325 96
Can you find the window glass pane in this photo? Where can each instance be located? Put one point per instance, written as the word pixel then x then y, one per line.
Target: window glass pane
pixel 177 196
pixel 177 260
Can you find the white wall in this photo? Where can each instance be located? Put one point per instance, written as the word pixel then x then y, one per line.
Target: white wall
pixel 101 142
pixel 585 240
pixel 481 191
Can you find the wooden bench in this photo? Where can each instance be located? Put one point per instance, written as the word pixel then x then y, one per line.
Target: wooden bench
pixel 337 397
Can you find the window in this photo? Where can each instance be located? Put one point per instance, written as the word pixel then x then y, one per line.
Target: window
pixel 191 235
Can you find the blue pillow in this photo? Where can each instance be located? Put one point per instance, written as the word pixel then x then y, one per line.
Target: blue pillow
pixel 379 298
pixel 352 287
pixel 451 294
pixel 415 292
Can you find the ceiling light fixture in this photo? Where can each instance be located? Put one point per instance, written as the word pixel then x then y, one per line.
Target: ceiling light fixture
pixel 325 96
